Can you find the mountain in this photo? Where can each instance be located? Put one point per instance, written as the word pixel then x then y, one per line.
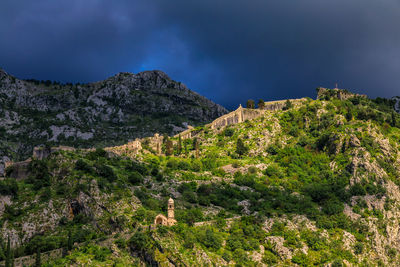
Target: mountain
pixel 299 183
pixel 113 111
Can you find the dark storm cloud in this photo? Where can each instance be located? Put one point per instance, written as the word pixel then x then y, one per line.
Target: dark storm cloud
pixel 227 50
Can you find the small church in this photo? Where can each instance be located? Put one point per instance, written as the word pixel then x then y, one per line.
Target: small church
pixel 167 221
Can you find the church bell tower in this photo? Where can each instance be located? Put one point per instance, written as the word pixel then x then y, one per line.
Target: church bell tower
pixel 171 208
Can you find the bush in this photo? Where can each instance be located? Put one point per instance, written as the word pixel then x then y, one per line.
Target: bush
pixel 332 207
pixel 196 166
pixel 301 259
pixel 189 240
pixel 227 256
pixel 241 148
pixel 269 258
pixel 273 149
pixel 98 153
pixel 184 165
pixel 82 165
pixel 246 180
pixel 138 167
pixel 240 256
pixel 357 190
pixel 140 241
pixel 189 196
pixel 172 163
pixel 252 170
pixel 135 178
pixel 39 174
pixel 358 248
pixel 210 239
pixel 229 132
pixel 8 187
pixel 106 172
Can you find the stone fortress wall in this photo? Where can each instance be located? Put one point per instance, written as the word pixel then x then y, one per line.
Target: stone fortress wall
pixel 155 142
pixel 242 114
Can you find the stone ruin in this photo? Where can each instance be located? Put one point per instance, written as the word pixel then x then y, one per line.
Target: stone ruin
pixel 156 142
pixel 20 168
pixel 341 94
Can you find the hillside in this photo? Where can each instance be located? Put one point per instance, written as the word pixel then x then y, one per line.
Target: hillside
pixel 311 182
pixel 109 112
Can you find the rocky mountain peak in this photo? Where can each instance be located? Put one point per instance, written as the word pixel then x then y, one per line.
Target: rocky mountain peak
pixel 112 111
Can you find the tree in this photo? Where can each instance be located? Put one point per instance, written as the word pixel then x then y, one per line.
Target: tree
pixel 38 260
pixel 393 123
pixel 349 115
pixel 194 143
pixel 185 147
pixel 169 147
pixel 250 103
pixel 261 104
pixel 288 105
pixel 241 148
pixel 69 241
pixel 197 148
pixel 179 145
pixel 8 253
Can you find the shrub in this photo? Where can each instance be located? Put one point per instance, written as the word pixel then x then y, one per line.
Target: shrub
pixel 82 165
pixel 332 207
pixel 227 256
pixel 189 196
pixel 196 166
pixel 138 167
pixel 121 243
pixel 246 180
pixel 135 178
pixel 240 256
pixel 39 174
pixel 140 241
pixel 8 187
pixel 301 259
pixel 269 258
pixel 98 153
pixel 106 172
pixel 210 239
pixel 241 148
pixel 229 132
pixel 235 165
pixel 358 248
pixel 183 165
pixel 172 163
pixel 273 149
pixel 189 240
pixel 357 190
pixel 252 170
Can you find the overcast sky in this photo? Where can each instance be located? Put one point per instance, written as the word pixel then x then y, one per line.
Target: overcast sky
pixel 226 50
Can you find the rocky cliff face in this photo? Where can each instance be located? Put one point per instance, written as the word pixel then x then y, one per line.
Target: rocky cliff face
pixel 112 111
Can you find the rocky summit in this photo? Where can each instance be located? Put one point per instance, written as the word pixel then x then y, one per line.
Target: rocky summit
pixel 109 112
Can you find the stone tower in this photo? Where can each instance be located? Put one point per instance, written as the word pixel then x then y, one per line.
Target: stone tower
pixel 171 209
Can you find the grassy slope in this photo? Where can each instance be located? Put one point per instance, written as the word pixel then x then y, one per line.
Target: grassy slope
pixel 319 183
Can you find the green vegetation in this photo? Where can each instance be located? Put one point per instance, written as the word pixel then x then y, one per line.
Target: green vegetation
pixel 298 186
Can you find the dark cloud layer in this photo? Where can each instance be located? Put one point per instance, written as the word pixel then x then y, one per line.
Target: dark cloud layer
pixel 227 50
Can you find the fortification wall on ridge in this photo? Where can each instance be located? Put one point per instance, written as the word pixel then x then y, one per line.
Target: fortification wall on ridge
pixel 341 94
pixel 281 104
